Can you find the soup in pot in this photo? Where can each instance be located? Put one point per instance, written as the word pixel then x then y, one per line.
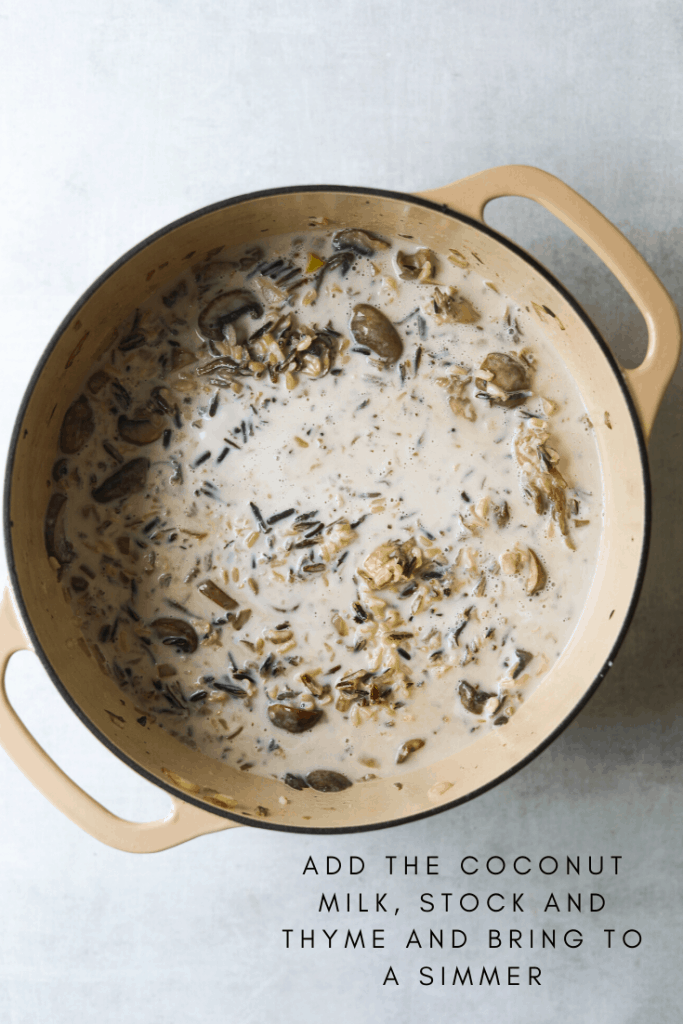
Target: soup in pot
pixel 328 508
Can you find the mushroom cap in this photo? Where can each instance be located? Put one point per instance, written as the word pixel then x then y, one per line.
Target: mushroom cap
pixel 371 328
pixel 226 308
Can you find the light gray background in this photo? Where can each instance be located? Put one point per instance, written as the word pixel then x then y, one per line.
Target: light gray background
pixel 119 117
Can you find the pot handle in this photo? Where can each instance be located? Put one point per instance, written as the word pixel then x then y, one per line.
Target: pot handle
pixel 648 382
pixel 184 822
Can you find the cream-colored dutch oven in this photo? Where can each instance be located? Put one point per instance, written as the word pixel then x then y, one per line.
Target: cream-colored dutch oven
pixel 207 795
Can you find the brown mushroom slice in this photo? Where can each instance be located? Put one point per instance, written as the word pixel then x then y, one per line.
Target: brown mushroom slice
pixel 501 513
pixel 372 329
pixel 181 357
pixel 56 544
pixel 537 577
pixel 295 781
pixel 293 719
pixel 391 563
pixel 176 633
pixel 77 426
pixel 60 469
pixel 522 659
pixel 218 596
pixel 509 375
pixel 363 243
pixel 316 359
pixel 225 309
pixel 129 479
pixel 408 748
pixel 416 265
pixel 143 431
pixel 98 381
pixel 240 620
pixel 341 260
pixel 472 699
pixel 511 562
pixel 178 292
pixel 326 781
pixel 452 308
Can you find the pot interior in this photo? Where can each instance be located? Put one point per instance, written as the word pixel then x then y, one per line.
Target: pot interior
pixel 107 710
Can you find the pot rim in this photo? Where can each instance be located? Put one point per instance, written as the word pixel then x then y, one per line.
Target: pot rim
pixel 353 190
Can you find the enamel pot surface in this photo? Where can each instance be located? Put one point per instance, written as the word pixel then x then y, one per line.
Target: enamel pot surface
pixel 207 795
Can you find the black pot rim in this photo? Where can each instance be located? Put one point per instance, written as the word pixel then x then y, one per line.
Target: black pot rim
pixel 351 190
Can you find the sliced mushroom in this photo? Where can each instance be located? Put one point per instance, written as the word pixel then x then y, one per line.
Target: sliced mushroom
pixel 181 357
pixel 473 699
pixel 537 577
pixel 372 329
pixel 60 469
pixel 421 265
pixel 77 426
pixel 408 748
pixel 240 620
pixel 391 563
pixel 315 360
pixel 363 243
pixel 522 659
pixel 327 781
pixel 293 719
pixel 507 380
pixel 343 260
pixel 511 562
pixel 170 299
pixel 451 308
pixel 225 309
pixel 128 480
pixel 143 431
pixel 56 544
pixel 176 633
pixel 295 781
pixel 218 596
pixel 98 381
pixel 501 513
pixel 542 481
pixel 340 261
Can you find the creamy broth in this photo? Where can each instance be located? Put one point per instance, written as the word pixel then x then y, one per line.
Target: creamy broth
pixel 328 510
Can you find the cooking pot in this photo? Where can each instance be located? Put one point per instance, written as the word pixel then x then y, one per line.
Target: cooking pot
pixel 208 795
